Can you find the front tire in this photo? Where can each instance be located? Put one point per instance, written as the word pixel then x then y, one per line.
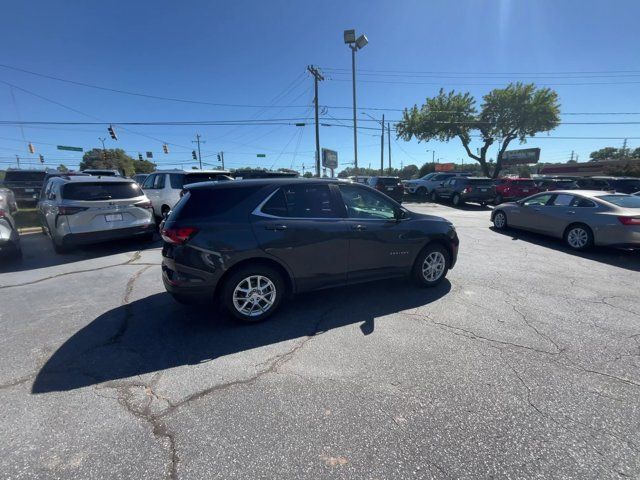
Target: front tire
pixel 421 192
pixel 431 266
pixel 578 237
pixel 457 200
pixel 253 293
pixel 500 220
pixel 433 196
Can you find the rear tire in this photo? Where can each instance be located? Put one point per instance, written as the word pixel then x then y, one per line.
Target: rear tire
pixel 431 266
pixel 457 200
pixel 578 237
pixel 253 293
pixel 433 196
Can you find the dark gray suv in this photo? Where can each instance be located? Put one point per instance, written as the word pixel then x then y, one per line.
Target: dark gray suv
pixel 250 243
pixel 460 190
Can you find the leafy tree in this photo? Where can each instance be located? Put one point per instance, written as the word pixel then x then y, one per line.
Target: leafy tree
pixel 629 169
pixel 111 158
pixel 308 175
pixel 426 168
pixel 524 171
pixel 408 171
pixel 604 154
pixel 635 153
pixel 144 166
pixel 62 168
pixel 515 112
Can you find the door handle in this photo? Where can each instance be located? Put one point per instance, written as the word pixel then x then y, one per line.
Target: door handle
pixel 359 227
pixel 275 227
pixel 571 212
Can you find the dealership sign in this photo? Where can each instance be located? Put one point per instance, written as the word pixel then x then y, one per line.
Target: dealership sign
pixel 329 158
pixel 445 167
pixel 521 157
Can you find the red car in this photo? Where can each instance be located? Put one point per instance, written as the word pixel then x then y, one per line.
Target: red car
pixel 514 189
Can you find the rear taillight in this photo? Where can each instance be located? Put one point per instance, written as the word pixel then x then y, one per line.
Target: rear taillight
pixel 179 235
pixel 62 210
pixel 468 190
pixel 2 213
pixel 146 204
pixel 629 220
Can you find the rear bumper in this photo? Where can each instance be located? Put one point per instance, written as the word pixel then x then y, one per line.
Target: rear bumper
pixel 618 236
pixel 72 239
pixel 478 197
pixel 188 282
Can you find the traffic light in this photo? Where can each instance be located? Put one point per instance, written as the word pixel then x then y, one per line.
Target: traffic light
pixel 165 148
pixel 149 154
pixel 219 159
pixel 31 148
pixel 193 154
pixel 112 132
pixel 41 158
pixel 139 156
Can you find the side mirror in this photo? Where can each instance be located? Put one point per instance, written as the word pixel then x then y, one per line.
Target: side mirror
pixel 399 214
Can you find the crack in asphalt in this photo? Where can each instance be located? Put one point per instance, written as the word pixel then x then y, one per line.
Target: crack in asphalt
pixel 136 256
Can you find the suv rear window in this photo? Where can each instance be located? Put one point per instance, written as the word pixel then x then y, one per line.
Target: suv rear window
pixel 209 202
pixel 18 176
pixel 479 181
pixel 101 191
pixel 524 183
pixel 389 181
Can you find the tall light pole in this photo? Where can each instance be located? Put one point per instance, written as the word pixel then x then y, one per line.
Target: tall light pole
pixel 355 44
pixel 433 155
pixel 104 151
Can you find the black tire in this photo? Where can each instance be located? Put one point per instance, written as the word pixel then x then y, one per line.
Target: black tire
pixel 501 222
pixel 499 199
pixel 578 237
pixel 457 200
pixel 433 196
pixel 239 276
pixel 419 277
pixel 421 192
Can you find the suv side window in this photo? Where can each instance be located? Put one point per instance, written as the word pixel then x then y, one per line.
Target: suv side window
pixel 276 205
pixel 362 203
pixel 51 194
pixel 159 182
pixel 149 181
pixel 309 201
pixel 176 180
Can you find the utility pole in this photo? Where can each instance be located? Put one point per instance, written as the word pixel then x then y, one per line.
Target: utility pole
pixel 104 150
pixel 382 147
pixel 624 149
pixel 222 159
pixel 571 159
pixel 18 160
pixel 198 141
pixel 389 144
pixel 317 76
pixel 355 120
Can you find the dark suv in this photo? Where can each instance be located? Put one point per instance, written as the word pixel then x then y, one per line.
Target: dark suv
pixel 466 189
pixel 25 184
pixel 253 242
pixel 390 186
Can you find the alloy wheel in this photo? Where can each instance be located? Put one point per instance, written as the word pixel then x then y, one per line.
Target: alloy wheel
pixel 577 237
pixel 433 266
pixel 254 295
pixel 499 220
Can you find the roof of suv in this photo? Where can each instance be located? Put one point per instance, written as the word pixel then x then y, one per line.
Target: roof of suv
pixel 92 179
pixel 188 172
pixel 264 182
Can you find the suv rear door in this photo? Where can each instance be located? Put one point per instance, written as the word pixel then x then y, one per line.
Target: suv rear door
pixel 300 224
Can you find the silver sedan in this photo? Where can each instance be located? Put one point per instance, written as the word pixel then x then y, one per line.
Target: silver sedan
pixel 582 218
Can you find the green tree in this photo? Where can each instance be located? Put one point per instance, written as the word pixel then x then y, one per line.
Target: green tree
pixel 144 166
pixel 408 171
pixel 111 158
pixel 308 175
pixel 515 112
pixel 604 154
pixel 62 168
pixel 426 168
pixel 635 153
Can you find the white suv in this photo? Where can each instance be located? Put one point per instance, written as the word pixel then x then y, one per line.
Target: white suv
pixel 425 186
pixel 163 187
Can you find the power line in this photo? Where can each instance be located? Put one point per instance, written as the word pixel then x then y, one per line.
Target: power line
pixel 486 73
pixel 389 82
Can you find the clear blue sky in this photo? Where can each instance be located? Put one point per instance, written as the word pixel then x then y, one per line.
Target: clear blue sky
pixel 249 52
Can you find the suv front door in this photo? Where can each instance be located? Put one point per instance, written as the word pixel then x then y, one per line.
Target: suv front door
pixel 379 245
pixel 300 225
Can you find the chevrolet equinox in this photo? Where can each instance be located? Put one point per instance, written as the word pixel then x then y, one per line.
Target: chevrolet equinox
pixel 252 242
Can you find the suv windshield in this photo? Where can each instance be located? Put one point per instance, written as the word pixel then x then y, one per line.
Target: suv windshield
pixel 101 191
pixel 624 201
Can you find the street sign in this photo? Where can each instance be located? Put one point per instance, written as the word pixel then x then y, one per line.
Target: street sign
pixel 445 167
pixel 521 157
pixel 149 154
pixel 261 155
pixel 71 149
pixel 329 158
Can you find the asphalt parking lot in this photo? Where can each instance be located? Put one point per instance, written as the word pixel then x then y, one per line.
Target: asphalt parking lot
pixel 524 363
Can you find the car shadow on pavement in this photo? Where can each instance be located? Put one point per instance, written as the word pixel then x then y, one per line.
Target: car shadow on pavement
pixel 621 258
pixel 38 252
pixel 155 333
